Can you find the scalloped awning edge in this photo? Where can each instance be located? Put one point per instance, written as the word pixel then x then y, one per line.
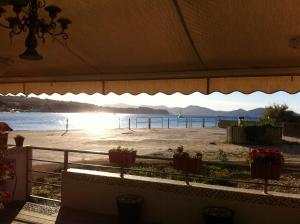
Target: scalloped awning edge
pixel 268 84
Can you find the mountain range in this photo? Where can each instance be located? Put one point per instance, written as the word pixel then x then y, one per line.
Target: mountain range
pixel 201 111
pixel 31 104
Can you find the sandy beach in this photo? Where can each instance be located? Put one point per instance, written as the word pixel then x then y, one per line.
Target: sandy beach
pixel 146 142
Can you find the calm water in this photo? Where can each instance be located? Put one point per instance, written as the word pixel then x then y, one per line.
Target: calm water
pixel 99 121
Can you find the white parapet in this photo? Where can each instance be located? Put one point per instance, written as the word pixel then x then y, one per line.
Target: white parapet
pixel 170 201
pixel 20 186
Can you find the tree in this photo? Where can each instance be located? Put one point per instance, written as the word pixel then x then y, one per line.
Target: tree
pixel 280 113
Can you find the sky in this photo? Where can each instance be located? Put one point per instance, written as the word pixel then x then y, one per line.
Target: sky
pixel 216 101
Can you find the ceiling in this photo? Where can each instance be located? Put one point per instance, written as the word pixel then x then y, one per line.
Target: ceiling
pixel 165 46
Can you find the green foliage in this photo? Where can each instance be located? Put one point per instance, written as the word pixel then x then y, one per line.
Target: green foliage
pixel 40 179
pixel 279 113
pixel 219 175
pixel 222 156
pixel 120 149
pixel 255 133
pixel 218 172
pixel 42 191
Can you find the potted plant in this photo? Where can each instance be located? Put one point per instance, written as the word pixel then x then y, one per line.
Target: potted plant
pixel 6 173
pixel 122 156
pixel 5 197
pixel 184 161
pixel 265 163
pixel 19 139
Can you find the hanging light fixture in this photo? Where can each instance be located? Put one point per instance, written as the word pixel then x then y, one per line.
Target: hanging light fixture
pixel 28 20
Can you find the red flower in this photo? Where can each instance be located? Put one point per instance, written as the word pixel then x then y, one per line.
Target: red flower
pixel 7 197
pixel 180 149
pixel 266 155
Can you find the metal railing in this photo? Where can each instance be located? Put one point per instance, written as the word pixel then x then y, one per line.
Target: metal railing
pixel 168 122
pixel 187 177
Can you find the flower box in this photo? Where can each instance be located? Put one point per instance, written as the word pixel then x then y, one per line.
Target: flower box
pixel 124 158
pixel 265 163
pixel 265 171
pixel 180 163
pixel 7 172
pixel 187 164
pixel 182 160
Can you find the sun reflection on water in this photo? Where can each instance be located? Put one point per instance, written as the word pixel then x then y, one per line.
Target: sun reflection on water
pixel 92 122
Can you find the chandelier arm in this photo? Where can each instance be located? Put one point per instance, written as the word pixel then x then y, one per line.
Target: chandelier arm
pixel 40 35
pixel 41 4
pixel 16 33
pixel 51 28
pixel 4 26
pixel 63 34
pixel 27 20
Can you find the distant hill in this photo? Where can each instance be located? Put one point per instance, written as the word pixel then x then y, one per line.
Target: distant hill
pixel 203 111
pixel 32 104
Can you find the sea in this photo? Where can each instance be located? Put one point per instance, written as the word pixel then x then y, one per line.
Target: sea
pixel 41 121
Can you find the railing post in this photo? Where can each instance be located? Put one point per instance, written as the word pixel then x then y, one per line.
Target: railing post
pixel 122 172
pixel 66 160
pixel 187 178
pixel 129 123
pixel 67 125
pixel 186 122
pixel 168 122
pixel 162 122
pixel 191 122
pixel 136 122
pixel 149 122
pixel 203 122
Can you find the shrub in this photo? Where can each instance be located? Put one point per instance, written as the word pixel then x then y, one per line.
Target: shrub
pixel 280 113
pixel 222 156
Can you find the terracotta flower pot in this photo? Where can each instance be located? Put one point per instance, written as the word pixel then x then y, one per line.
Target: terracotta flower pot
pixel 124 158
pixel 19 141
pixel 265 171
pixel 180 163
pixel 195 164
pixel 187 164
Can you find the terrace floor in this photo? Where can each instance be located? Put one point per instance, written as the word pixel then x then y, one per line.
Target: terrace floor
pixel 31 213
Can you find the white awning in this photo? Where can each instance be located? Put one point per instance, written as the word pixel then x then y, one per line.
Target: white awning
pixel 142 46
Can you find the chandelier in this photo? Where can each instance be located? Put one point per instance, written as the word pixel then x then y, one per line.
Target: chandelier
pixel 27 19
